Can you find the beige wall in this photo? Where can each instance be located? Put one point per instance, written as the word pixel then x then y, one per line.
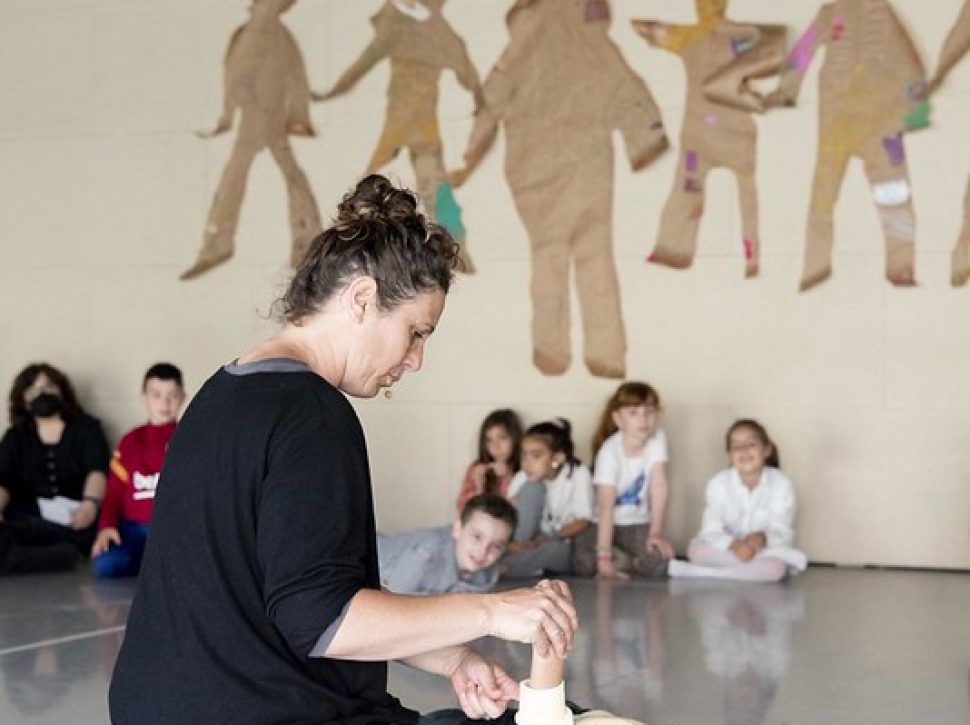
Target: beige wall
pixel 104 190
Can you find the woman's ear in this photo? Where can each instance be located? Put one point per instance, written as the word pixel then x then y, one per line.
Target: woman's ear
pixel 558 459
pixel 360 295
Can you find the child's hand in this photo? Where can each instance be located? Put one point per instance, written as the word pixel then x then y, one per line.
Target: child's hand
pixel 660 545
pixel 742 550
pixel 106 537
pixel 606 569
pixel 756 541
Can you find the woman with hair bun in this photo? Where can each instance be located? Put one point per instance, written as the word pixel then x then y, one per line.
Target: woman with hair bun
pixel 259 598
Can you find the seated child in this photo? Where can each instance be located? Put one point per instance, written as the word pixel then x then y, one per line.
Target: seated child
pixel 133 476
pixel 461 557
pixel 498 456
pixel 747 532
pixel 630 476
pixel 554 496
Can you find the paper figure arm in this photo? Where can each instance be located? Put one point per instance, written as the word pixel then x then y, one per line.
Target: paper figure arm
pixel 800 58
pixel 465 71
pixel 955 46
pixel 495 98
pixel 372 55
pixel 298 91
pixel 229 102
pixel 665 36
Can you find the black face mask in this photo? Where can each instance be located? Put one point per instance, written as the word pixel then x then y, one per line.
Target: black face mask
pixel 46 405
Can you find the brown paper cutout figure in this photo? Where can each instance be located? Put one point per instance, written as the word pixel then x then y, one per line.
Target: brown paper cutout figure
pixel 560 88
pixel 265 79
pixel 955 47
pixel 872 88
pixel 721 57
pixel 420 44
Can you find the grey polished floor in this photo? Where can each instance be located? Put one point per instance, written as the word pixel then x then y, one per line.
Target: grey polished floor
pixel 832 646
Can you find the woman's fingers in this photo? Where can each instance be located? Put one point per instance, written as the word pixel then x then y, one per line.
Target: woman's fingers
pixel 476 704
pixel 521 614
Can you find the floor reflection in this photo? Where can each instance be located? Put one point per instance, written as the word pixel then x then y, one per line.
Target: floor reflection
pixel 746 633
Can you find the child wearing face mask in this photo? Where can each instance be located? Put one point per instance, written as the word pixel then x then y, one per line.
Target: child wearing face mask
pixel 553 493
pixel 748 527
pixel 53 463
pixel 498 456
pixel 133 476
pixel 630 478
pixel 462 557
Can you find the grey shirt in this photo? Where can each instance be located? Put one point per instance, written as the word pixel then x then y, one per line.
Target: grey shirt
pixel 424 562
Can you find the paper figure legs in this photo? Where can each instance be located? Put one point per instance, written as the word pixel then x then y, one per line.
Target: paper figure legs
pixel 872 88
pixel 717 132
pixel 561 87
pixel 420 44
pixel 266 80
pixel 955 47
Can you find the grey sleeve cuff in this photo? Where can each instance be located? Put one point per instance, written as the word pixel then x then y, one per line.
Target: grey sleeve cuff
pixel 323 644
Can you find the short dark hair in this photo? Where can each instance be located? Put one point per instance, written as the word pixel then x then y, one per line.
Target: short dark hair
pixel 490 504
pixel 380 233
pixel 20 417
pixel 163 371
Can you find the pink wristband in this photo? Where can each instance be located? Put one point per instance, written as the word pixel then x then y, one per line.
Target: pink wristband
pixel 604 556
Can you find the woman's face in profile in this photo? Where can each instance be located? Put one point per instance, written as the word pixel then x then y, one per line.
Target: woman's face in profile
pixel 391 344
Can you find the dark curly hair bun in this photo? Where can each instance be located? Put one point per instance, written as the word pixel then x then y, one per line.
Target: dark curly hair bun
pixel 376 199
pixel 378 232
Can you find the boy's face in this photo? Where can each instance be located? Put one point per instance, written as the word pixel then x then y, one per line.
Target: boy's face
pixel 480 542
pixel 162 399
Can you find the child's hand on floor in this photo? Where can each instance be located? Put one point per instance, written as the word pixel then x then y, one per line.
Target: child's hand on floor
pixel 106 537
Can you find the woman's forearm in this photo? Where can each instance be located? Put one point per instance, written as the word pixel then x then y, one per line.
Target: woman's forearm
pixel 95 485
pixel 409 626
pixel 443 661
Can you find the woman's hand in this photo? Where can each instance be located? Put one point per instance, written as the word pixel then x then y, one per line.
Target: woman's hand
pixel 106 537
pixel 483 688
pixel 544 612
pixel 84 515
pixel 657 543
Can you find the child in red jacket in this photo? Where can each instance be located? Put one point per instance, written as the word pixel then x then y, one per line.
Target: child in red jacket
pixel 133 476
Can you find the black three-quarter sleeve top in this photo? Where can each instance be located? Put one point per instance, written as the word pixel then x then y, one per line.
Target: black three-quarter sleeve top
pixel 263 530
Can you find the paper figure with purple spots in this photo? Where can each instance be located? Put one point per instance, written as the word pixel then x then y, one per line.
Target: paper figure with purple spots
pixel 872 90
pixel 721 58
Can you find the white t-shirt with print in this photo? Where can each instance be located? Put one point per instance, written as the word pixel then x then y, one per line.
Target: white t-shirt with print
pixel 629 476
pixel 568 498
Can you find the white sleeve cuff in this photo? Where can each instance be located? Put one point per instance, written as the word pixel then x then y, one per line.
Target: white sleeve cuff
pixel 543 707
